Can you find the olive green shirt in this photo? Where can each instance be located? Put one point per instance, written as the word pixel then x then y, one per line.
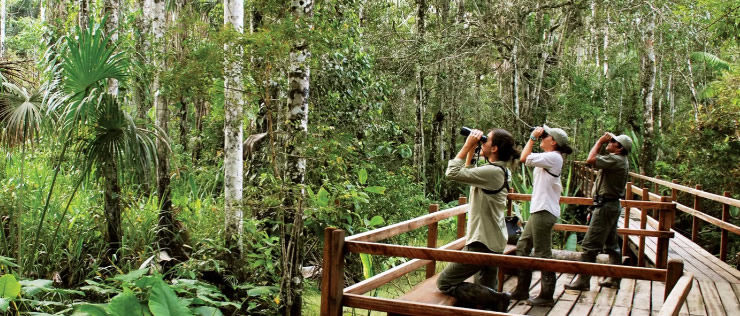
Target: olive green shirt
pixel 486 222
pixel 612 179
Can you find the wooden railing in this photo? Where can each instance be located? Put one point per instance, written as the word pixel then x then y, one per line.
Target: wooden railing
pixel 585 176
pixel 336 246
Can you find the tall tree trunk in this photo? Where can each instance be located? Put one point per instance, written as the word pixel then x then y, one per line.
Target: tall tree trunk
pixel 692 88
pixel 166 232
pixel 291 282
pixel 420 98
pixel 648 85
pixel 233 130
pixel 112 208
pixel 515 87
pixel 669 97
pixel 606 44
pixel 111 9
pixel 3 21
pixel 83 15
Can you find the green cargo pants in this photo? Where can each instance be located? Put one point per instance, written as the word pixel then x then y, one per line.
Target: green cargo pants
pixel 456 273
pixel 602 231
pixel 537 234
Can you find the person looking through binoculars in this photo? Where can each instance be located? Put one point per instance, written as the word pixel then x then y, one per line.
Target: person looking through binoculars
pixel 609 188
pixel 486 229
pixel 544 209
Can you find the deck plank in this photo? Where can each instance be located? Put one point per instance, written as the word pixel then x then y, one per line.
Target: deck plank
pixel 562 308
pixel 642 295
pixel 658 290
pixel 696 301
pixel 604 301
pixel 581 309
pixel 625 293
pixel 619 311
pixel 728 297
pixel 711 298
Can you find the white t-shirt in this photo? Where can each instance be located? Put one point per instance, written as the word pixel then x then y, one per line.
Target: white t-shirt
pixel 546 189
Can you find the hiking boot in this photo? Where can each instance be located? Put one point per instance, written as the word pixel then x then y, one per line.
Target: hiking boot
pixel 469 294
pixel 547 290
pixel 524 279
pixel 582 281
pixel 615 257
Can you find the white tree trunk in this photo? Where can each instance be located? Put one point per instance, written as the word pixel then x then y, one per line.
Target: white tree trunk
pixel 111 10
pixel 42 11
pixel 592 27
pixel 3 19
pixel 233 130
pixel 694 98
pixel 291 281
pixel 606 45
pixel 649 71
pixel 515 81
pixel 82 14
pixel 669 96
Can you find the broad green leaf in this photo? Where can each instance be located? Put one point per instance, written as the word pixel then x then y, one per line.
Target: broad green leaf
pixel 734 211
pixel 131 276
pixel 375 221
pixel 125 304
pixel 33 287
pixel 375 189
pixel 362 175
pixel 90 310
pixel 367 265
pixel 260 290
pixel 207 311
pixel 164 302
pixel 9 287
pixel 322 199
pixel 572 242
pixel 4 304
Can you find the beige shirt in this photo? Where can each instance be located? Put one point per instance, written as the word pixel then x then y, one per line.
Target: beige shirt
pixel 486 222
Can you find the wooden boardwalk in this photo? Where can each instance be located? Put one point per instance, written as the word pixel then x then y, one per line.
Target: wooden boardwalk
pixel 716 288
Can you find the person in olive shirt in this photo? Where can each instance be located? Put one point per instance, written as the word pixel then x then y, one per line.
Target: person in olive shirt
pixel 486 229
pixel 609 188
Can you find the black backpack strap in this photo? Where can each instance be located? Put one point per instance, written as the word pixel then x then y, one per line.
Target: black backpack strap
pixel 552 174
pixel 504 186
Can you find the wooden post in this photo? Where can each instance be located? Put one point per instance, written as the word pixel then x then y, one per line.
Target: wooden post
pixel 674 272
pixel 336 286
pixel 724 238
pixel 656 188
pixel 461 218
pixel 695 221
pixel 642 180
pixel 326 271
pixel 625 238
pixel 665 224
pixel 643 225
pixel 432 241
pixel 592 183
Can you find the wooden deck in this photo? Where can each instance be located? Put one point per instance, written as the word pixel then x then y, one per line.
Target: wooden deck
pixel 716 288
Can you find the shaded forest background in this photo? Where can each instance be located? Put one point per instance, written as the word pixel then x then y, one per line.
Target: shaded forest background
pixel 192 152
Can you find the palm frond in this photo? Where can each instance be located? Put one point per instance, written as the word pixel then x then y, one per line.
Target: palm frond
pixel 20 114
pixel 12 71
pixel 90 60
pixel 712 61
pixel 115 138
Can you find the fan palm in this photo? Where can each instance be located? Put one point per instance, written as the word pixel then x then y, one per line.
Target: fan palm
pixel 20 121
pixel 105 137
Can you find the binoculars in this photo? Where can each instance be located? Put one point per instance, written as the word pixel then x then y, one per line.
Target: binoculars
pixel 465 131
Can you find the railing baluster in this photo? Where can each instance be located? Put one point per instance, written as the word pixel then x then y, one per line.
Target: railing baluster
pixel 461 218
pixel 432 241
pixel 665 224
pixel 695 221
pixel 625 238
pixel 725 237
pixel 643 225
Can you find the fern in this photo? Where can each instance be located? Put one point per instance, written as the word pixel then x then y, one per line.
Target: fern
pixel 710 60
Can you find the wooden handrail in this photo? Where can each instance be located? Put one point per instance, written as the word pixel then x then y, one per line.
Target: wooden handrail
pixel 528 263
pixel 682 188
pixel 674 301
pixel 589 201
pixel 392 274
pixel 409 225
pixel 411 308
pixel 621 231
